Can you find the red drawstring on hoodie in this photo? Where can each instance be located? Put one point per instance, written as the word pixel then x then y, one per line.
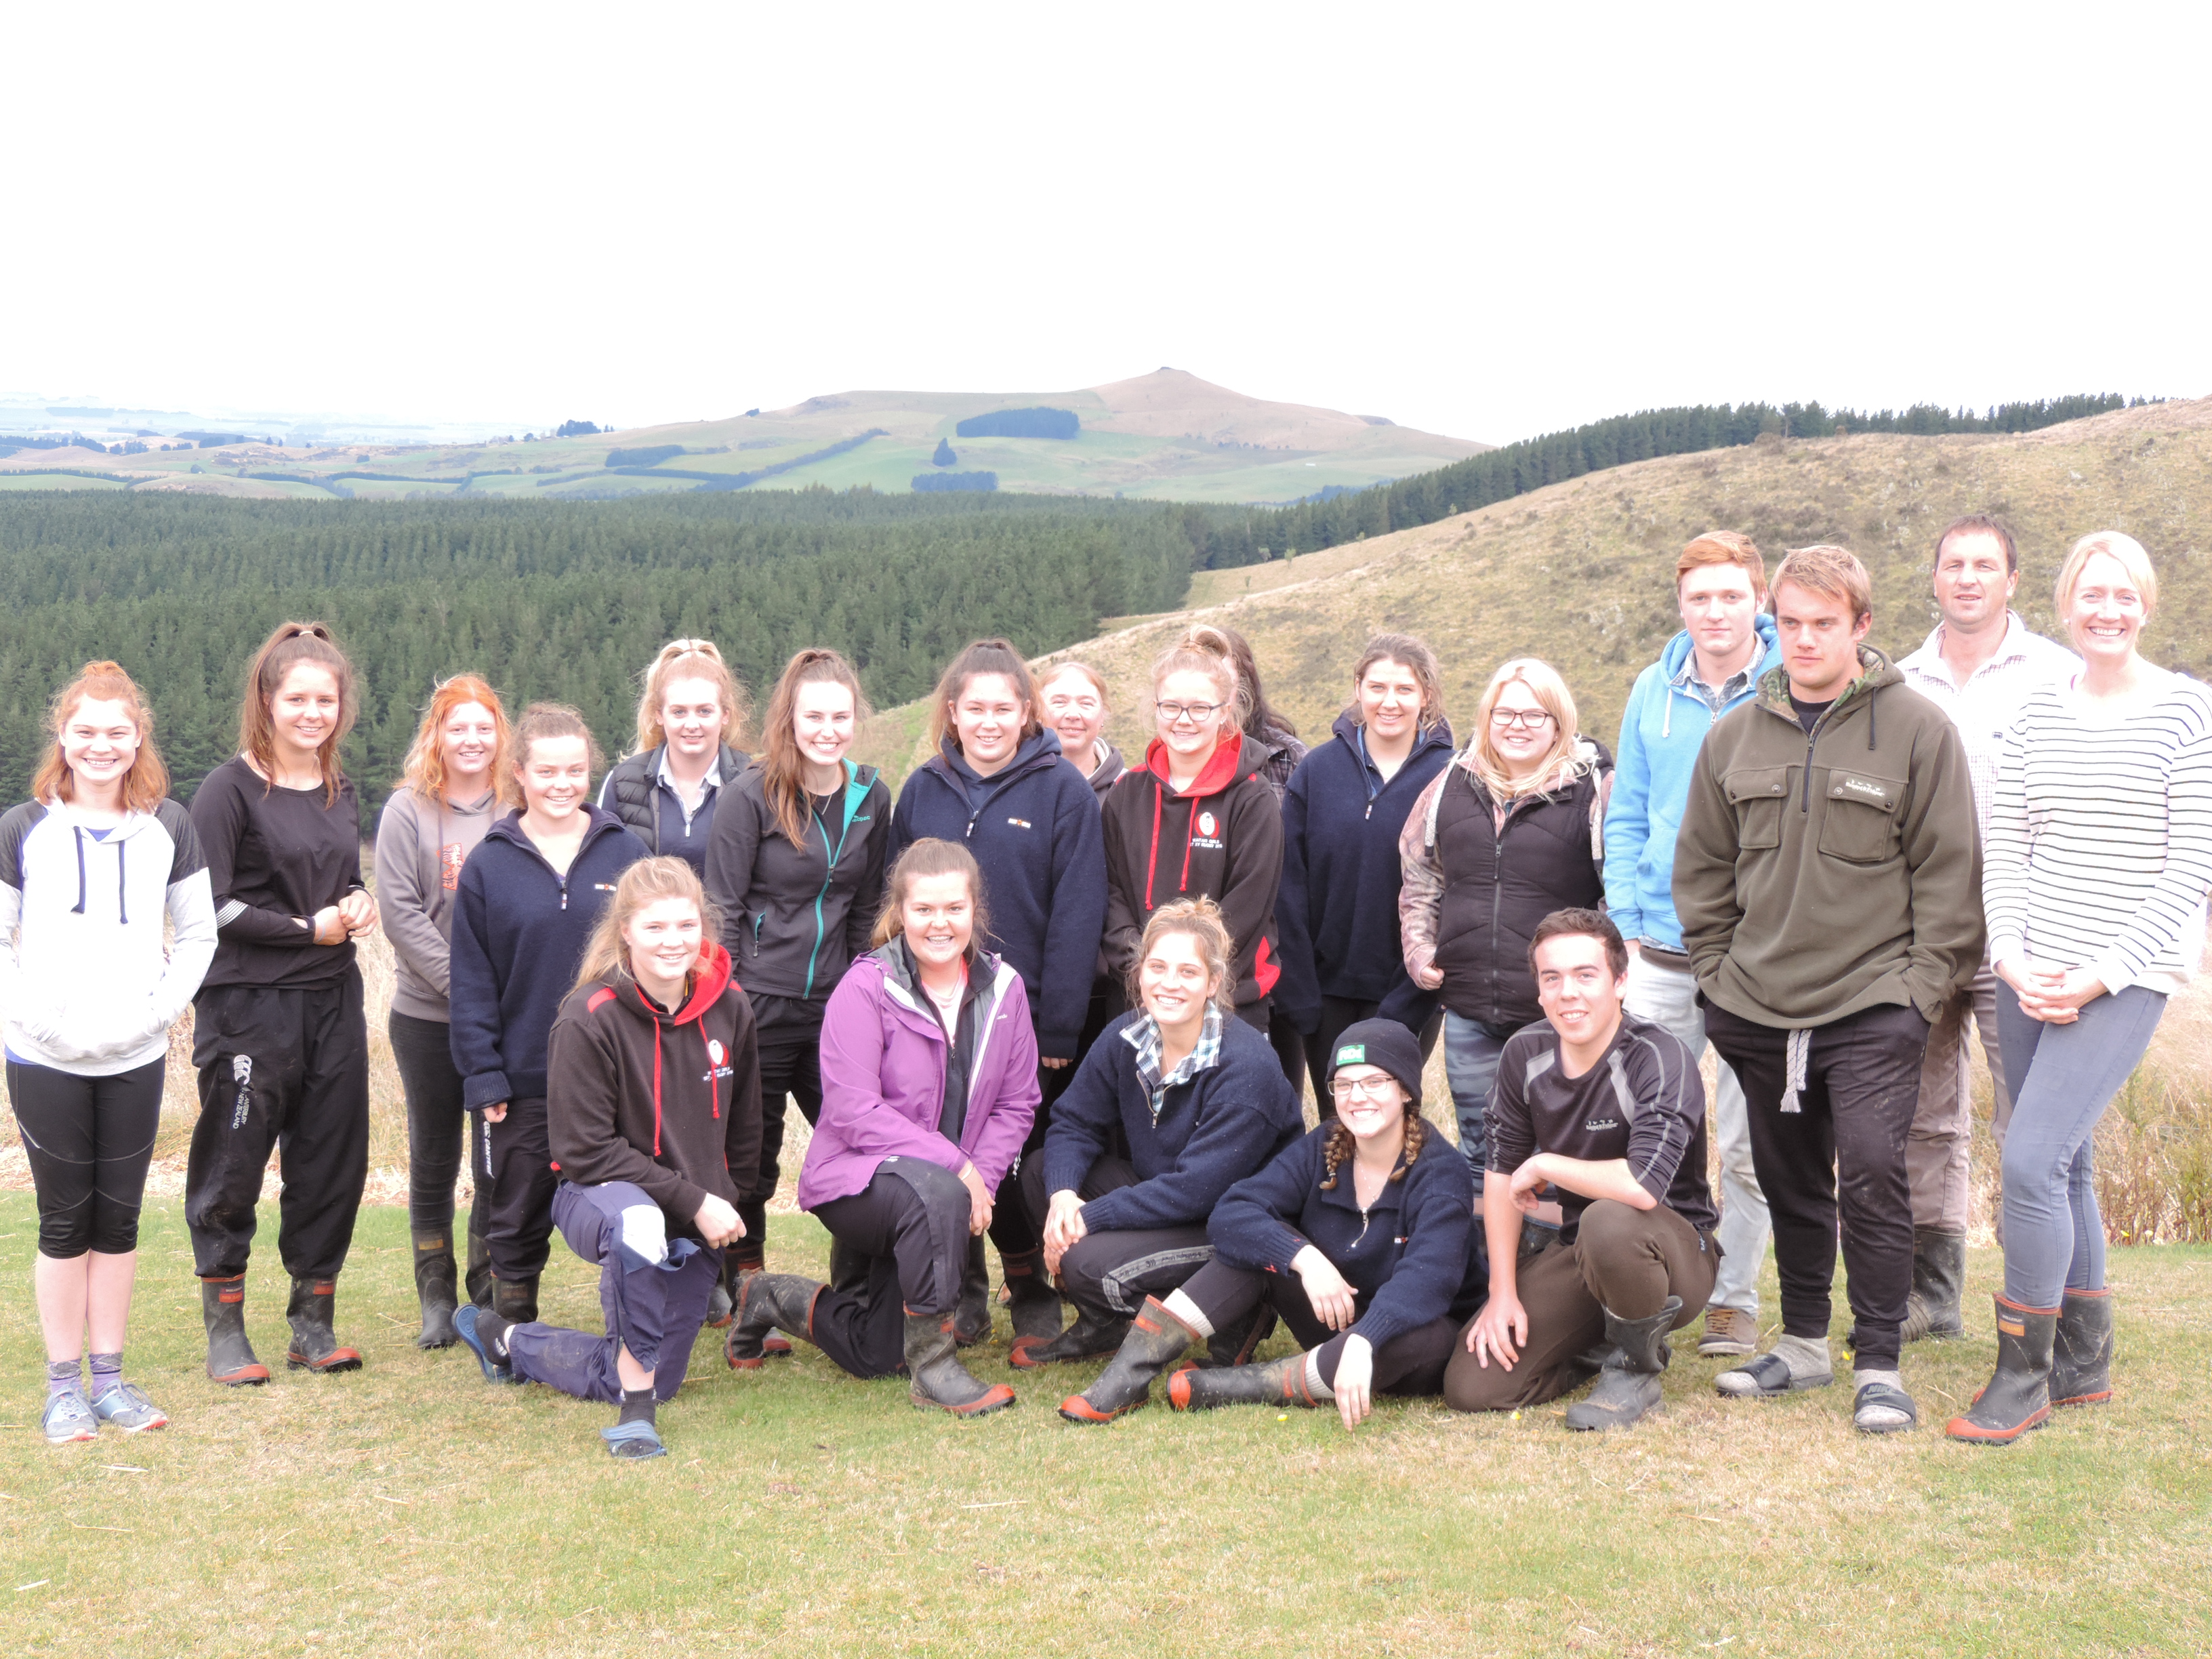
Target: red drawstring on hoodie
pixel 1218 773
pixel 713 1083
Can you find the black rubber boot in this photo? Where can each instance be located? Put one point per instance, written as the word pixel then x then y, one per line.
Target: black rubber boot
pixel 230 1358
pixel 1236 1343
pixel 2081 1349
pixel 1278 1382
pixel 435 1289
pixel 1156 1340
pixel 315 1345
pixel 2018 1398
pixel 939 1380
pixel 479 1280
pixel 971 1317
pixel 516 1300
pixel 1627 1388
pixel 768 1302
pixel 718 1304
pixel 1031 1302
pixel 1939 1279
pixel 1086 1338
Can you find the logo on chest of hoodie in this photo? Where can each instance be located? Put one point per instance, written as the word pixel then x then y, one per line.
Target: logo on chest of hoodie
pixel 1207 832
pixel 717 1060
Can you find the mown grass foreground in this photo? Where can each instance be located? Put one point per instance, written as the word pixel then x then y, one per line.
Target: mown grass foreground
pixel 410 1509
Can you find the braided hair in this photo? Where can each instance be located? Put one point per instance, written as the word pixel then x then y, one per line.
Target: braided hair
pixel 1337 1147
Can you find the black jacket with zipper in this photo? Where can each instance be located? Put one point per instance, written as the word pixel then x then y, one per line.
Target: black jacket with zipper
pixel 795 917
pixel 667 1101
pixel 519 929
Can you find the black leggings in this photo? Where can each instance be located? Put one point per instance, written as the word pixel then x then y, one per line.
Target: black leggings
pixel 88 1141
pixel 1410 1363
pixel 437 1124
pixel 910 1223
pixel 788 1032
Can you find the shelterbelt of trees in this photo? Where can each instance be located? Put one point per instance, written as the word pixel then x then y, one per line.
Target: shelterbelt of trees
pixel 558 601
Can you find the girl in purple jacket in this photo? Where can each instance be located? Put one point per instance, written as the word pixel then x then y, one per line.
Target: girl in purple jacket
pixel 928 1087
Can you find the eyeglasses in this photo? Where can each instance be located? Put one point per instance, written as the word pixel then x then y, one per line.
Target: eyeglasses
pixel 1200 713
pixel 1371 1088
pixel 1528 719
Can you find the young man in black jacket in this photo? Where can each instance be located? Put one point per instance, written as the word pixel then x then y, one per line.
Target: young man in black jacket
pixel 1609 1109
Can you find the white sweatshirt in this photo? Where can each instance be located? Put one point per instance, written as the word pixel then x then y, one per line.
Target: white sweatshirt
pixel 85 984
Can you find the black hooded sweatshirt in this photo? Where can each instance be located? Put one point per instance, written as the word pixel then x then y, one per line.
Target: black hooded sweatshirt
pixel 1222 841
pixel 669 1102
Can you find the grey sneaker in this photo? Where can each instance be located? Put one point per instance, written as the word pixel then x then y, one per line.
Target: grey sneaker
pixel 125 1406
pixel 67 1417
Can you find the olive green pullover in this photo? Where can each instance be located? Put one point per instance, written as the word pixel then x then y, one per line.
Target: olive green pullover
pixel 1819 875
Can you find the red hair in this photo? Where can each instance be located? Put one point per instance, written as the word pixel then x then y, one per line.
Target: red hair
pixel 146 782
pixel 425 770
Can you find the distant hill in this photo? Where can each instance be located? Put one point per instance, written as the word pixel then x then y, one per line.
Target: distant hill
pixel 1581 574
pixel 1168 435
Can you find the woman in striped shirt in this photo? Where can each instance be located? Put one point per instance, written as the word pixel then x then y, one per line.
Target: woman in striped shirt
pixel 2098 864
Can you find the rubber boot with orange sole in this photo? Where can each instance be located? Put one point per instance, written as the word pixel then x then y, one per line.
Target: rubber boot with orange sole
pixel 230 1358
pixel 1156 1340
pixel 2018 1398
pixel 2081 1351
pixel 315 1346
pixel 766 1304
pixel 1278 1382
pixel 939 1380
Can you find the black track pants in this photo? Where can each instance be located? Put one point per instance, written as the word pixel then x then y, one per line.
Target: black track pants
pixel 518 1219
pixel 87 1141
pixel 1855 1113
pixel 438 1126
pixel 910 1222
pixel 1109 1275
pixel 788 1030
pixel 1410 1363
pixel 1010 1228
pixel 282 1067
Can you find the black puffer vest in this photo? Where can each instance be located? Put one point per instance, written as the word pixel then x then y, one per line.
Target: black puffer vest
pixel 1499 885
pixel 634 786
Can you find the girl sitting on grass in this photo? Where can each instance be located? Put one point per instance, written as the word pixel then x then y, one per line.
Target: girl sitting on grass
pixel 654 1100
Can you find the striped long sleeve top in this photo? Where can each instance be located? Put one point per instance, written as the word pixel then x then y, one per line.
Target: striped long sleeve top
pixel 2099 851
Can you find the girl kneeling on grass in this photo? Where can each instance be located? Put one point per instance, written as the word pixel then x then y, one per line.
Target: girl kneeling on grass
pixel 1374 1273
pixel 90 999
pixel 655 1100
pixel 929 1084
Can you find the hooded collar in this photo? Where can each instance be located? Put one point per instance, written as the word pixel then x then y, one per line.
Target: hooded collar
pixel 707 985
pixel 1036 751
pixel 1875 672
pixel 598 822
pixel 1351 732
pixel 1234 759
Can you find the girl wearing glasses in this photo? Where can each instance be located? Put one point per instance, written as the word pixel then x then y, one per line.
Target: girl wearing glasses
pixel 280 1033
pixel 1196 821
pixel 688 717
pixel 1510 832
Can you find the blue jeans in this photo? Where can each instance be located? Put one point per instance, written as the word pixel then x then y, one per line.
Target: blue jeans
pixel 1471 1052
pixel 2061 1077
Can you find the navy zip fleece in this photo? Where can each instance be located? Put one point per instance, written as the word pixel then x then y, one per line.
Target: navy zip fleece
pixel 1416 1256
pixel 1034 827
pixel 519 935
pixel 1336 911
pixel 1213 1132
pixel 796 917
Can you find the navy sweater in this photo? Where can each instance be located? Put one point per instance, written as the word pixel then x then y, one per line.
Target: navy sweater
pixel 1336 912
pixel 1416 1257
pixel 1213 1132
pixel 1033 827
pixel 518 937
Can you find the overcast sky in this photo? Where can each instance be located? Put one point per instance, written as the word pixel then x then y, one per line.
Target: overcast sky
pixel 1486 222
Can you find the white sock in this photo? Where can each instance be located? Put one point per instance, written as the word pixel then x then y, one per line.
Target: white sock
pixel 1879 1414
pixel 1806 1356
pixel 1187 1310
pixel 1315 1386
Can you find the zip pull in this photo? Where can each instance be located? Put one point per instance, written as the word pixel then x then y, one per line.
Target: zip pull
pixel 564 892
pixel 1369 812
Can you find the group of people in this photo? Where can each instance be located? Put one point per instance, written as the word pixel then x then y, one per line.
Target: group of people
pixel 1068 1004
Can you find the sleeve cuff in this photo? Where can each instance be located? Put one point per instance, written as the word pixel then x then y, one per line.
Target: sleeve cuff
pixel 485 1088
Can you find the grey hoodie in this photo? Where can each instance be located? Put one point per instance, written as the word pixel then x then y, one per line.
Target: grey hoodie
pixel 422 841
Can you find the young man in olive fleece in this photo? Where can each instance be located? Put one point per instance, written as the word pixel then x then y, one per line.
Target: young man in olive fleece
pixel 1828 879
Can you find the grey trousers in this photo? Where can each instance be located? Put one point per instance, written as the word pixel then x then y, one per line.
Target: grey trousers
pixel 1937 1149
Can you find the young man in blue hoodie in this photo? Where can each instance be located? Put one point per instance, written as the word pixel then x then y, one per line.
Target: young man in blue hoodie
pixel 1726 644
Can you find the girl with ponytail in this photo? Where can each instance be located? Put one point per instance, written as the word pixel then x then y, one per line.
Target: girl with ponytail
pixel 688 720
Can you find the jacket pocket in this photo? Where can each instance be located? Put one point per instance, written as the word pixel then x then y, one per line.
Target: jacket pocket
pixel 1758 793
pixel 1858 825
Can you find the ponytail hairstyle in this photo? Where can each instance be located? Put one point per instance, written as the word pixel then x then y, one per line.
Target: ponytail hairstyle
pixel 292 644
pixel 1255 716
pixel 1417 657
pixel 931 857
pixel 993 656
pixel 1199 920
pixel 688 659
pixel 1202 650
pixel 647 882
pixel 783 776
pixel 148 780
pixel 1337 1145
pixel 552 719
pixel 425 768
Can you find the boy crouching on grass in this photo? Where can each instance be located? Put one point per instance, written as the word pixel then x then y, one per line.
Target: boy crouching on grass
pixel 654 1100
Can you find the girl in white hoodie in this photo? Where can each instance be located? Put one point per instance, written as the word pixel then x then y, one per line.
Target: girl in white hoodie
pixel 89 866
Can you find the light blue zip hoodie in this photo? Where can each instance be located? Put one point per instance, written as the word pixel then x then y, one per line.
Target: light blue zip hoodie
pixel 1660 736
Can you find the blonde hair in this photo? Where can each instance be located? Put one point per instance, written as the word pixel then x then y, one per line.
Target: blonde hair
pixel 425 768
pixel 2132 558
pixel 1833 572
pixel 1201 651
pixel 1098 682
pixel 292 644
pixel 688 659
pixel 148 780
pixel 931 856
pixel 647 882
pixel 1561 762
pixel 1199 920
